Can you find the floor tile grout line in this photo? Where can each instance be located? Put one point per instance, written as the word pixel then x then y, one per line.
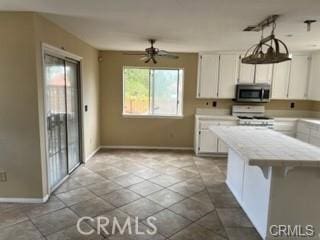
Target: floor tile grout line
pixel 197 175
pixel 215 209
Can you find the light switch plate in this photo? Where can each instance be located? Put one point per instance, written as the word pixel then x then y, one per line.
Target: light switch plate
pixel 3 177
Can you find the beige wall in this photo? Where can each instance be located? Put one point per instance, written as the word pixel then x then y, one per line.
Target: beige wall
pixel 22 142
pixel 49 33
pixel 117 130
pixel 19 125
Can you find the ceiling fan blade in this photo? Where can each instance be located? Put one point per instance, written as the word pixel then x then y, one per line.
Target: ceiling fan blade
pixel 148 60
pixel 144 58
pixel 154 60
pixel 163 53
pixel 135 54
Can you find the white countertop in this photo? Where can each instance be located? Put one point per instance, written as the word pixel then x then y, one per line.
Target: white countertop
pixel 216 117
pixel 313 121
pixel 264 147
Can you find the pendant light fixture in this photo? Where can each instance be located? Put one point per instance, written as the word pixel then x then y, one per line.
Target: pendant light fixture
pixel 269 50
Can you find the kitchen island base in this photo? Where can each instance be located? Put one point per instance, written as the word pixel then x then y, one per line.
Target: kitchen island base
pixel 276 198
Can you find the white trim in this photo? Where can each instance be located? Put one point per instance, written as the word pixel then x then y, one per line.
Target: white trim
pixel 24 200
pixel 59 52
pixel 92 154
pixel 145 147
pixel 180 96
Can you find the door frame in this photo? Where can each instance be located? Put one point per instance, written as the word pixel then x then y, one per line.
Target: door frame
pixel 67 56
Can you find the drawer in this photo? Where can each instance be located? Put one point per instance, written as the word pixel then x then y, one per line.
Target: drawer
pixel 206 124
pixel 229 123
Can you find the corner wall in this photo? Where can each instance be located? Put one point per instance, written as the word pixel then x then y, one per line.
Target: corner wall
pixel 48 32
pixel 22 141
pixel 19 120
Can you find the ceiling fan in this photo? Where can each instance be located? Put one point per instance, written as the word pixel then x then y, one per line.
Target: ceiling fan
pixel 152 53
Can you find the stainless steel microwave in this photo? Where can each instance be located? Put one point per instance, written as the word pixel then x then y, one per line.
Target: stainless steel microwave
pixel 258 93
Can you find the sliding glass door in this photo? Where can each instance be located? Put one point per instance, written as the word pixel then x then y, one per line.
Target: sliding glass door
pixel 62 115
pixel 73 134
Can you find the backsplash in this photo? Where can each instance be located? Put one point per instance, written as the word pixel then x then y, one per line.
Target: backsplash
pixel 276 108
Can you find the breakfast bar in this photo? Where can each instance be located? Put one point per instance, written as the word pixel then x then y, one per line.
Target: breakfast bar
pixel 275 178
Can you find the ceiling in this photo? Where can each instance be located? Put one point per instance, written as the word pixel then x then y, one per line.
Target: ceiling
pixel 178 25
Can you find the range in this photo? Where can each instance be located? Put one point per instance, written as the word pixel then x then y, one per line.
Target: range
pixel 252 116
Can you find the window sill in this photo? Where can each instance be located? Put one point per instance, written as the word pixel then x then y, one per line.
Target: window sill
pixel 152 116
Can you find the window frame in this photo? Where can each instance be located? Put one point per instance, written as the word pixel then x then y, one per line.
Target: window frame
pixel 151 115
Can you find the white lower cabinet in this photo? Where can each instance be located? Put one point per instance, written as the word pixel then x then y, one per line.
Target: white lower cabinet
pixel 208 142
pixel 205 141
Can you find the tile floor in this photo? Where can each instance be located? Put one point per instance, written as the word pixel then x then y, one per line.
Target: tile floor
pixel 186 194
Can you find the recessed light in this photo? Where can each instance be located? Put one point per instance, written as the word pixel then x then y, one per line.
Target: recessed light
pixel 289 35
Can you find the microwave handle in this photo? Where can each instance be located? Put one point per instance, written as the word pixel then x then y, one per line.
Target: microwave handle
pixel 262 94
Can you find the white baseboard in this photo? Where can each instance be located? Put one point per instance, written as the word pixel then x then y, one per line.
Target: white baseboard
pixel 92 154
pixel 24 200
pixel 145 147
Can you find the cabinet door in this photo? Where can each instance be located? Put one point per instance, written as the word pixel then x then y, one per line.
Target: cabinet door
pixel 263 73
pixel 299 77
pixel 208 76
pixel 314 93
pixel 281 74
pixel 208 142
pixel 246 73
pixel 228 75
pixel 222 147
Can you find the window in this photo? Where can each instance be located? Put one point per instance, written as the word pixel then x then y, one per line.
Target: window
pixel 152 91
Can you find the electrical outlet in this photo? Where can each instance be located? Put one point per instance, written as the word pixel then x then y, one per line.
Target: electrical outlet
pixel 214 104
pixel 292 105
pixel 3 177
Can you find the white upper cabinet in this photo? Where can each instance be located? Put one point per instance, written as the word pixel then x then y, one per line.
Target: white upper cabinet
pixel 314 92
pixel 217 75
pixel 208 76
pixel 299 77
pixel 280 84
pixel 228 75
pixel 246 73
pixel 260 73
pixel 291 78
pixel 263 73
